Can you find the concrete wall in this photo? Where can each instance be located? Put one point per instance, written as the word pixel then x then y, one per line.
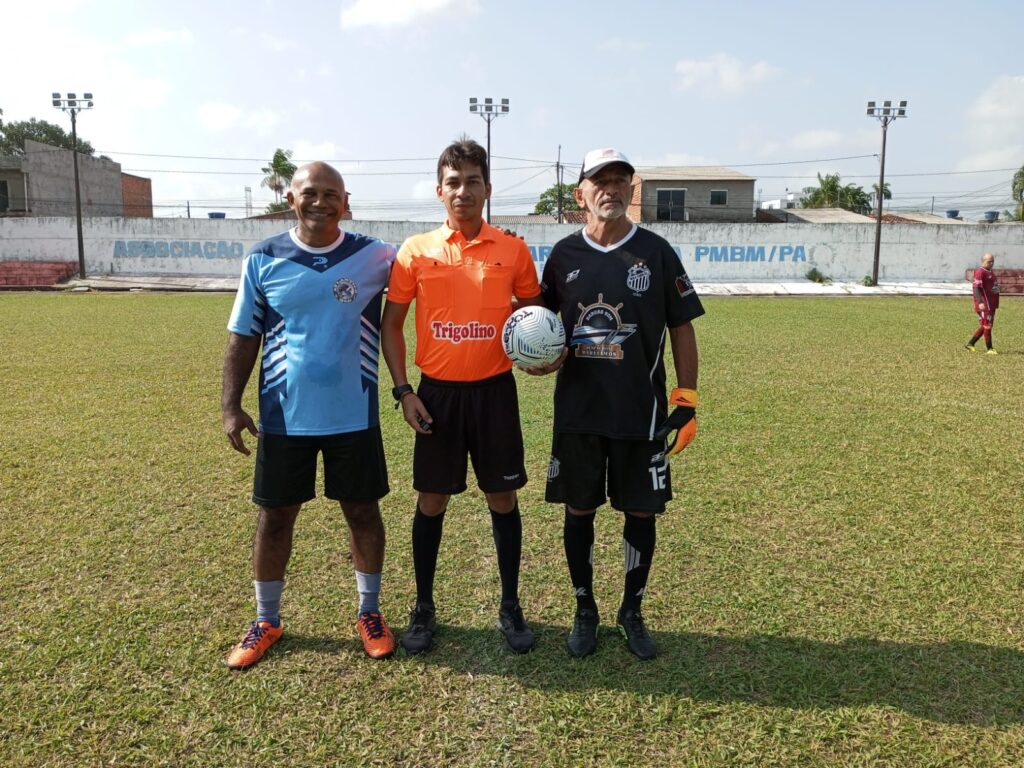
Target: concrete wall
pixel 10 172
pixel 711 252
pixel 51 182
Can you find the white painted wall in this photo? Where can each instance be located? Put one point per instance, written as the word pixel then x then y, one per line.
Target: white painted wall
pixel 711 252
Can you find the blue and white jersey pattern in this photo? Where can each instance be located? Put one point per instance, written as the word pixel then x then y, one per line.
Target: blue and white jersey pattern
pixel 318 311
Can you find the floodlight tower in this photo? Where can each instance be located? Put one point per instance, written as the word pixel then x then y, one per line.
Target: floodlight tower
pixel 73 105
pixel 885 114
pixel 489 111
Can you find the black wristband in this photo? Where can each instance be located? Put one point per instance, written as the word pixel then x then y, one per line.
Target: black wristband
pixel 401 391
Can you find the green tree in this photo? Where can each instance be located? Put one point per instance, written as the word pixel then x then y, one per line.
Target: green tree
pixel 1018 192
pixel 14 133
pixel 278 173
pixel 548 202
pixel 279 206
pixel 886 192
pixel 831 193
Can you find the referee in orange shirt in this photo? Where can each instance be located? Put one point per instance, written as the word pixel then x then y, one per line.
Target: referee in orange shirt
pixel 463 276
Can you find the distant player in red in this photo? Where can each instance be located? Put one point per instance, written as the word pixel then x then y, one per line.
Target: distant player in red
pixel 986 302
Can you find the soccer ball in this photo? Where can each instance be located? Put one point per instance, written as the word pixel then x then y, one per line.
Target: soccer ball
pixel 533 336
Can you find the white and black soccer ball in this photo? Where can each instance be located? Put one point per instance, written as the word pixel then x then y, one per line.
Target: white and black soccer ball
pixel 533 336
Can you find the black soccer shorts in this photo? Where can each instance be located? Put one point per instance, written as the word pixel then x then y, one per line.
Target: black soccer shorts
pixel 478 420
pixel 636 473
pixel 354 468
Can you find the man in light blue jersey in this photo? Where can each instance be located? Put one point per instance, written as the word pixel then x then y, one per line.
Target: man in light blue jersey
pixel 311 298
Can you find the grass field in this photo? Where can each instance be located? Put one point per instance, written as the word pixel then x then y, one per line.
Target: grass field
pixel 838 583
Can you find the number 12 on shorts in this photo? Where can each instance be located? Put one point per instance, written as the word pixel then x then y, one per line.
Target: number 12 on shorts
pixel 658 477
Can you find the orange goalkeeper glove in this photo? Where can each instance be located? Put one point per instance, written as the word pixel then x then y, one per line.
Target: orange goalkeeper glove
pixel 682 420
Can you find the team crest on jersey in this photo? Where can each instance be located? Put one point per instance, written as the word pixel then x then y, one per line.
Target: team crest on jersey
pixel 599 331
pixel 553 468
pixel 345 290
pixel 683 285
pixel 638 279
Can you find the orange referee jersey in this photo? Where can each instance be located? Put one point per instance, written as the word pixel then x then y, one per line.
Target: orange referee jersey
pixel 463 292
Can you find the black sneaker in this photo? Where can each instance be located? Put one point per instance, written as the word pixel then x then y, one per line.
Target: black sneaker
pixel 513 626
pixel 583 638
pixel 420 634
pixel 639 640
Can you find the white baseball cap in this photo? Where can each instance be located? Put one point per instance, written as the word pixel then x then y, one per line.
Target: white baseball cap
pixel 596 159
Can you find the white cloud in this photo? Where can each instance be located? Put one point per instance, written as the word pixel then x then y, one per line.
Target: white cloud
pixel 675 158
pixel 263 122
pixel 148 37
pixel 276 44
pixel 306 151
pixel 815 140
pixel 619 45
pixel 425 189
pixel 396 13
pixel 993 126
pixel 722 73
pixel 216 116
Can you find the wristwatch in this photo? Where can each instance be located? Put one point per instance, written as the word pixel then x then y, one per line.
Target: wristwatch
pixel 401 391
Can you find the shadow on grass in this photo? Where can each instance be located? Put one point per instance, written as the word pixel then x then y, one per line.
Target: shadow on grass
pixel 950 682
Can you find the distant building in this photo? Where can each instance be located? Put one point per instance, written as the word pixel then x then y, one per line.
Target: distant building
pixel 692 193
pixel 42 183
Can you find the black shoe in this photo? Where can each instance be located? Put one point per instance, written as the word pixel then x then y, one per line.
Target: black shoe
pixel 513 626
pixel 583 638
pixel 420 634
pixel 639 640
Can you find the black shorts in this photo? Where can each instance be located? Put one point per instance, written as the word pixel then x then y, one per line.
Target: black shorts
pixel 637 473
pixel 354 468
pixel 478 419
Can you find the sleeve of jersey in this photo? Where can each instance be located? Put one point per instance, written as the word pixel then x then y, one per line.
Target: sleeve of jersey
pixel 681 301
pixel 250 306
pixel 548 288
pixel 526 285
pixel 402 283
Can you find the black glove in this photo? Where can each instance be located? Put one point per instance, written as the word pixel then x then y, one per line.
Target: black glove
pixel 682 420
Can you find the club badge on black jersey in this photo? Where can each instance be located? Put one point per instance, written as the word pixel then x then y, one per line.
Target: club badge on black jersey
pixel 599 331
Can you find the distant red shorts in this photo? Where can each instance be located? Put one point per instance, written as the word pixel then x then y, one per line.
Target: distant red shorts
pixel 987 318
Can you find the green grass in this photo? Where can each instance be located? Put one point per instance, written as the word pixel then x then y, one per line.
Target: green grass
pixel 839 581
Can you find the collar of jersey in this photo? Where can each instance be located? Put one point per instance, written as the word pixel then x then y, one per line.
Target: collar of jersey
pixel 608 248
pixel 486 233
pixel 310 248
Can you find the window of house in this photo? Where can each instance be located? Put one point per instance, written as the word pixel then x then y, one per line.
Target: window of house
pixel 671 205
pixel 5 200
pixel 719 197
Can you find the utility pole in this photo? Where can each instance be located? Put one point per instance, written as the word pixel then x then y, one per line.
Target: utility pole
pixel 885 114
pixel 489 111
pixel 73 105
pixel 558 181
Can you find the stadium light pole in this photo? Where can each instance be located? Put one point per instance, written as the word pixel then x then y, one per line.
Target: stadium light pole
pixel 885 113
pixel 73 105
pixel 489 110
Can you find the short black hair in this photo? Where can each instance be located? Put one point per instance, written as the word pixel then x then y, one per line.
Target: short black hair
pixel 463 151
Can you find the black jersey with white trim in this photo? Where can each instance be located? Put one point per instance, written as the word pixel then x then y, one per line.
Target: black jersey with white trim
pixel 616 303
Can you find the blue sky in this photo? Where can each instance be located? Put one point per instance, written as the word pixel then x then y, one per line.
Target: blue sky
pixel 203 92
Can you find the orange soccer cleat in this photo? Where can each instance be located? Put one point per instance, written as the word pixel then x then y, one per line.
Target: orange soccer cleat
pixel 378 641
pixel 259 638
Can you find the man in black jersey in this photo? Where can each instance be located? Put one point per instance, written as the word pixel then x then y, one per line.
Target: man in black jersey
pixel 620 290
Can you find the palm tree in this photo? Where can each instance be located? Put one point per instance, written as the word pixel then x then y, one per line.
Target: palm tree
pixel 279 173
pixel 1018 192
pixel 831 193
pixel 825 195
pixel 886 192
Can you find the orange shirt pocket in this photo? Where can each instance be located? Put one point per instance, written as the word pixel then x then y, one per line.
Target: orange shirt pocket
pixel 497 287
pixel 435 286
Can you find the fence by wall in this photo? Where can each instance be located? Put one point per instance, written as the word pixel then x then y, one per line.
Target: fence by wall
pixel 711 252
